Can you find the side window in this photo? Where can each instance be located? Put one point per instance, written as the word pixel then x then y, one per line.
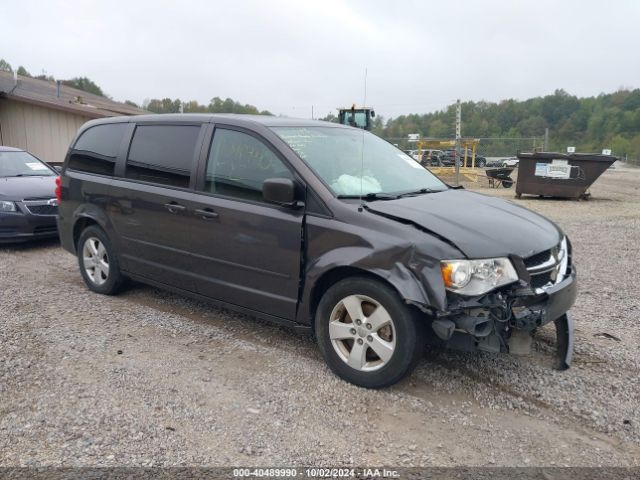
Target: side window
pixel 97 148
pixel 162 154
pixel 238 164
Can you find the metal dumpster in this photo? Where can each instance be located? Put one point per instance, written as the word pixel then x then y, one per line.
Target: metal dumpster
pixel 548 174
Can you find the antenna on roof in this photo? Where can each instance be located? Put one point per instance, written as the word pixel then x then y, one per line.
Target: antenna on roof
pixel 362 144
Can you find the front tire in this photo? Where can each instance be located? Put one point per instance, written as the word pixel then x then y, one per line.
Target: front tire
pixel 366 334
pixel 98 261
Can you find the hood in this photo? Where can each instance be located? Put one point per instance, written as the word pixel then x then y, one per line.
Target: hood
pixel 20 188
pixel 478 225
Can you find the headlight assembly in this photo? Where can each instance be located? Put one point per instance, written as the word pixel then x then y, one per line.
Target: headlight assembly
pixel 7 206
pixel 476 277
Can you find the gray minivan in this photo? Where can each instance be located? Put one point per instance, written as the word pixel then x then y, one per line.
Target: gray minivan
pixel 317 226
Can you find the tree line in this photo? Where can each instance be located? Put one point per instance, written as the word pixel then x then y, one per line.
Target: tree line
pixel 590 124
pixel 216 105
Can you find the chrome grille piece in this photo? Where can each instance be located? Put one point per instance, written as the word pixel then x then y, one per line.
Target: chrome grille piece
pixel 46 206
pixel 548 268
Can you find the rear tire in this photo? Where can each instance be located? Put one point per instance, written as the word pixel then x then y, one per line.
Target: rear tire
pixel 98 262
pixel 377 348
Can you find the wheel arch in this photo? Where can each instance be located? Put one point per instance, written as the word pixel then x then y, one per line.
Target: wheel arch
pixel 337 274
pixel 80 225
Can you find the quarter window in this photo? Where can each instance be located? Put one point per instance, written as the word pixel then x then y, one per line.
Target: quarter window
pixel 239 164
pixel 162 154
pixel 97 148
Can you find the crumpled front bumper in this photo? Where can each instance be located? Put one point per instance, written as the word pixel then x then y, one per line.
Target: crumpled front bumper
pixel 532 311
pixel 503 321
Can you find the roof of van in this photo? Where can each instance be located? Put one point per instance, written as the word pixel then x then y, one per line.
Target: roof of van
pixel 267 120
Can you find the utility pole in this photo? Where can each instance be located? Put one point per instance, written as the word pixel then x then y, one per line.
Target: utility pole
pixel 458 137
pixel 546 139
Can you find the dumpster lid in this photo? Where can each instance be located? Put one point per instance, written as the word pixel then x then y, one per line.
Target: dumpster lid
pixel 596 157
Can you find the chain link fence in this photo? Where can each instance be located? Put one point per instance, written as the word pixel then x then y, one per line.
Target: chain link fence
pixel 634 162
pixel 495 147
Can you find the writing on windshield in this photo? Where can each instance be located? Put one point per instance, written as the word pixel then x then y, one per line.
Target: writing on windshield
pixel 355 162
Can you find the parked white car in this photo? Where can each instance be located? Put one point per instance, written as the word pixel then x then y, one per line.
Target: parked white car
pixel 510 162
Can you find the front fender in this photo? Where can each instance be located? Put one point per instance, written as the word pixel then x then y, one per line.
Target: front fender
pixel 414 274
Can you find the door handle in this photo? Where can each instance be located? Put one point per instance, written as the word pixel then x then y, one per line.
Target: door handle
pixel 175 207
pixel 206 213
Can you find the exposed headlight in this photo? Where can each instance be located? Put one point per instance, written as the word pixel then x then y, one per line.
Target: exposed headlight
pixel 475 277
pixel 7 206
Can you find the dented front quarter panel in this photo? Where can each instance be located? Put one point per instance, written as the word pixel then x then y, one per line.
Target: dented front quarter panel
pixel 404 256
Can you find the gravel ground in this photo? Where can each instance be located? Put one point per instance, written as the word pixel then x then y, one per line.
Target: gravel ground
pixel 151 378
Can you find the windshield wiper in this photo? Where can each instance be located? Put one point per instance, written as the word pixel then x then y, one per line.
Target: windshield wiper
pixel 419 192
pixel 370 196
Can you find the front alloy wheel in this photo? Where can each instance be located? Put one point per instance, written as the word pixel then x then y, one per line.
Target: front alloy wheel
pixel 362 333
pixel 367 335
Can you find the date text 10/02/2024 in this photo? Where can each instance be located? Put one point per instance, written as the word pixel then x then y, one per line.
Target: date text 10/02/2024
pixel 315 472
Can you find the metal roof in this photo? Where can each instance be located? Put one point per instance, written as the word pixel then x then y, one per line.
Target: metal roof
pixel 45 93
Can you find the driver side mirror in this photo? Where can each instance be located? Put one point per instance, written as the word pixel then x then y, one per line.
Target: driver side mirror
pixel 280 191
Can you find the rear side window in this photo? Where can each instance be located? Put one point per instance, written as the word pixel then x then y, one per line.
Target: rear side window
pixel 162 154
pixel 97 148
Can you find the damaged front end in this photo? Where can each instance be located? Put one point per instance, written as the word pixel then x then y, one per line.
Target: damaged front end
pixel 504 319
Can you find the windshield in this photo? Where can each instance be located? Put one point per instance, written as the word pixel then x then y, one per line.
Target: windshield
pixel 355 162
pixel 22 164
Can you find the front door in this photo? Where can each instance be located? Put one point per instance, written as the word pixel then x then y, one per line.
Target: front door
pixel 249 251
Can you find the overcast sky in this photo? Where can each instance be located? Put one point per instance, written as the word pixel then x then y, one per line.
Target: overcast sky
pixel 286 56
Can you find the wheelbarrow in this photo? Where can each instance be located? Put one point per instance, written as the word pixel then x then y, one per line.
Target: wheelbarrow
pixel 499 176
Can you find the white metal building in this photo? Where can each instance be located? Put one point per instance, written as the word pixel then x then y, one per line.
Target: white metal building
pixel 43 117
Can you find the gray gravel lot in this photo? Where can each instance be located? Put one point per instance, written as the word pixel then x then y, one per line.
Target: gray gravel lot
pixel 152 378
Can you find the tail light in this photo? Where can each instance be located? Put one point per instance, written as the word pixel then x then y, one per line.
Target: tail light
pixel 59 189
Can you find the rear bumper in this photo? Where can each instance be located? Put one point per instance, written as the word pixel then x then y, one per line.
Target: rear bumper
pixel 22 226
pixel 65 232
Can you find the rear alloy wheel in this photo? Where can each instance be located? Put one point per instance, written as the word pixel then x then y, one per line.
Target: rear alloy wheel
pixel 95 261
pixel 98 262
pixel 367 335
